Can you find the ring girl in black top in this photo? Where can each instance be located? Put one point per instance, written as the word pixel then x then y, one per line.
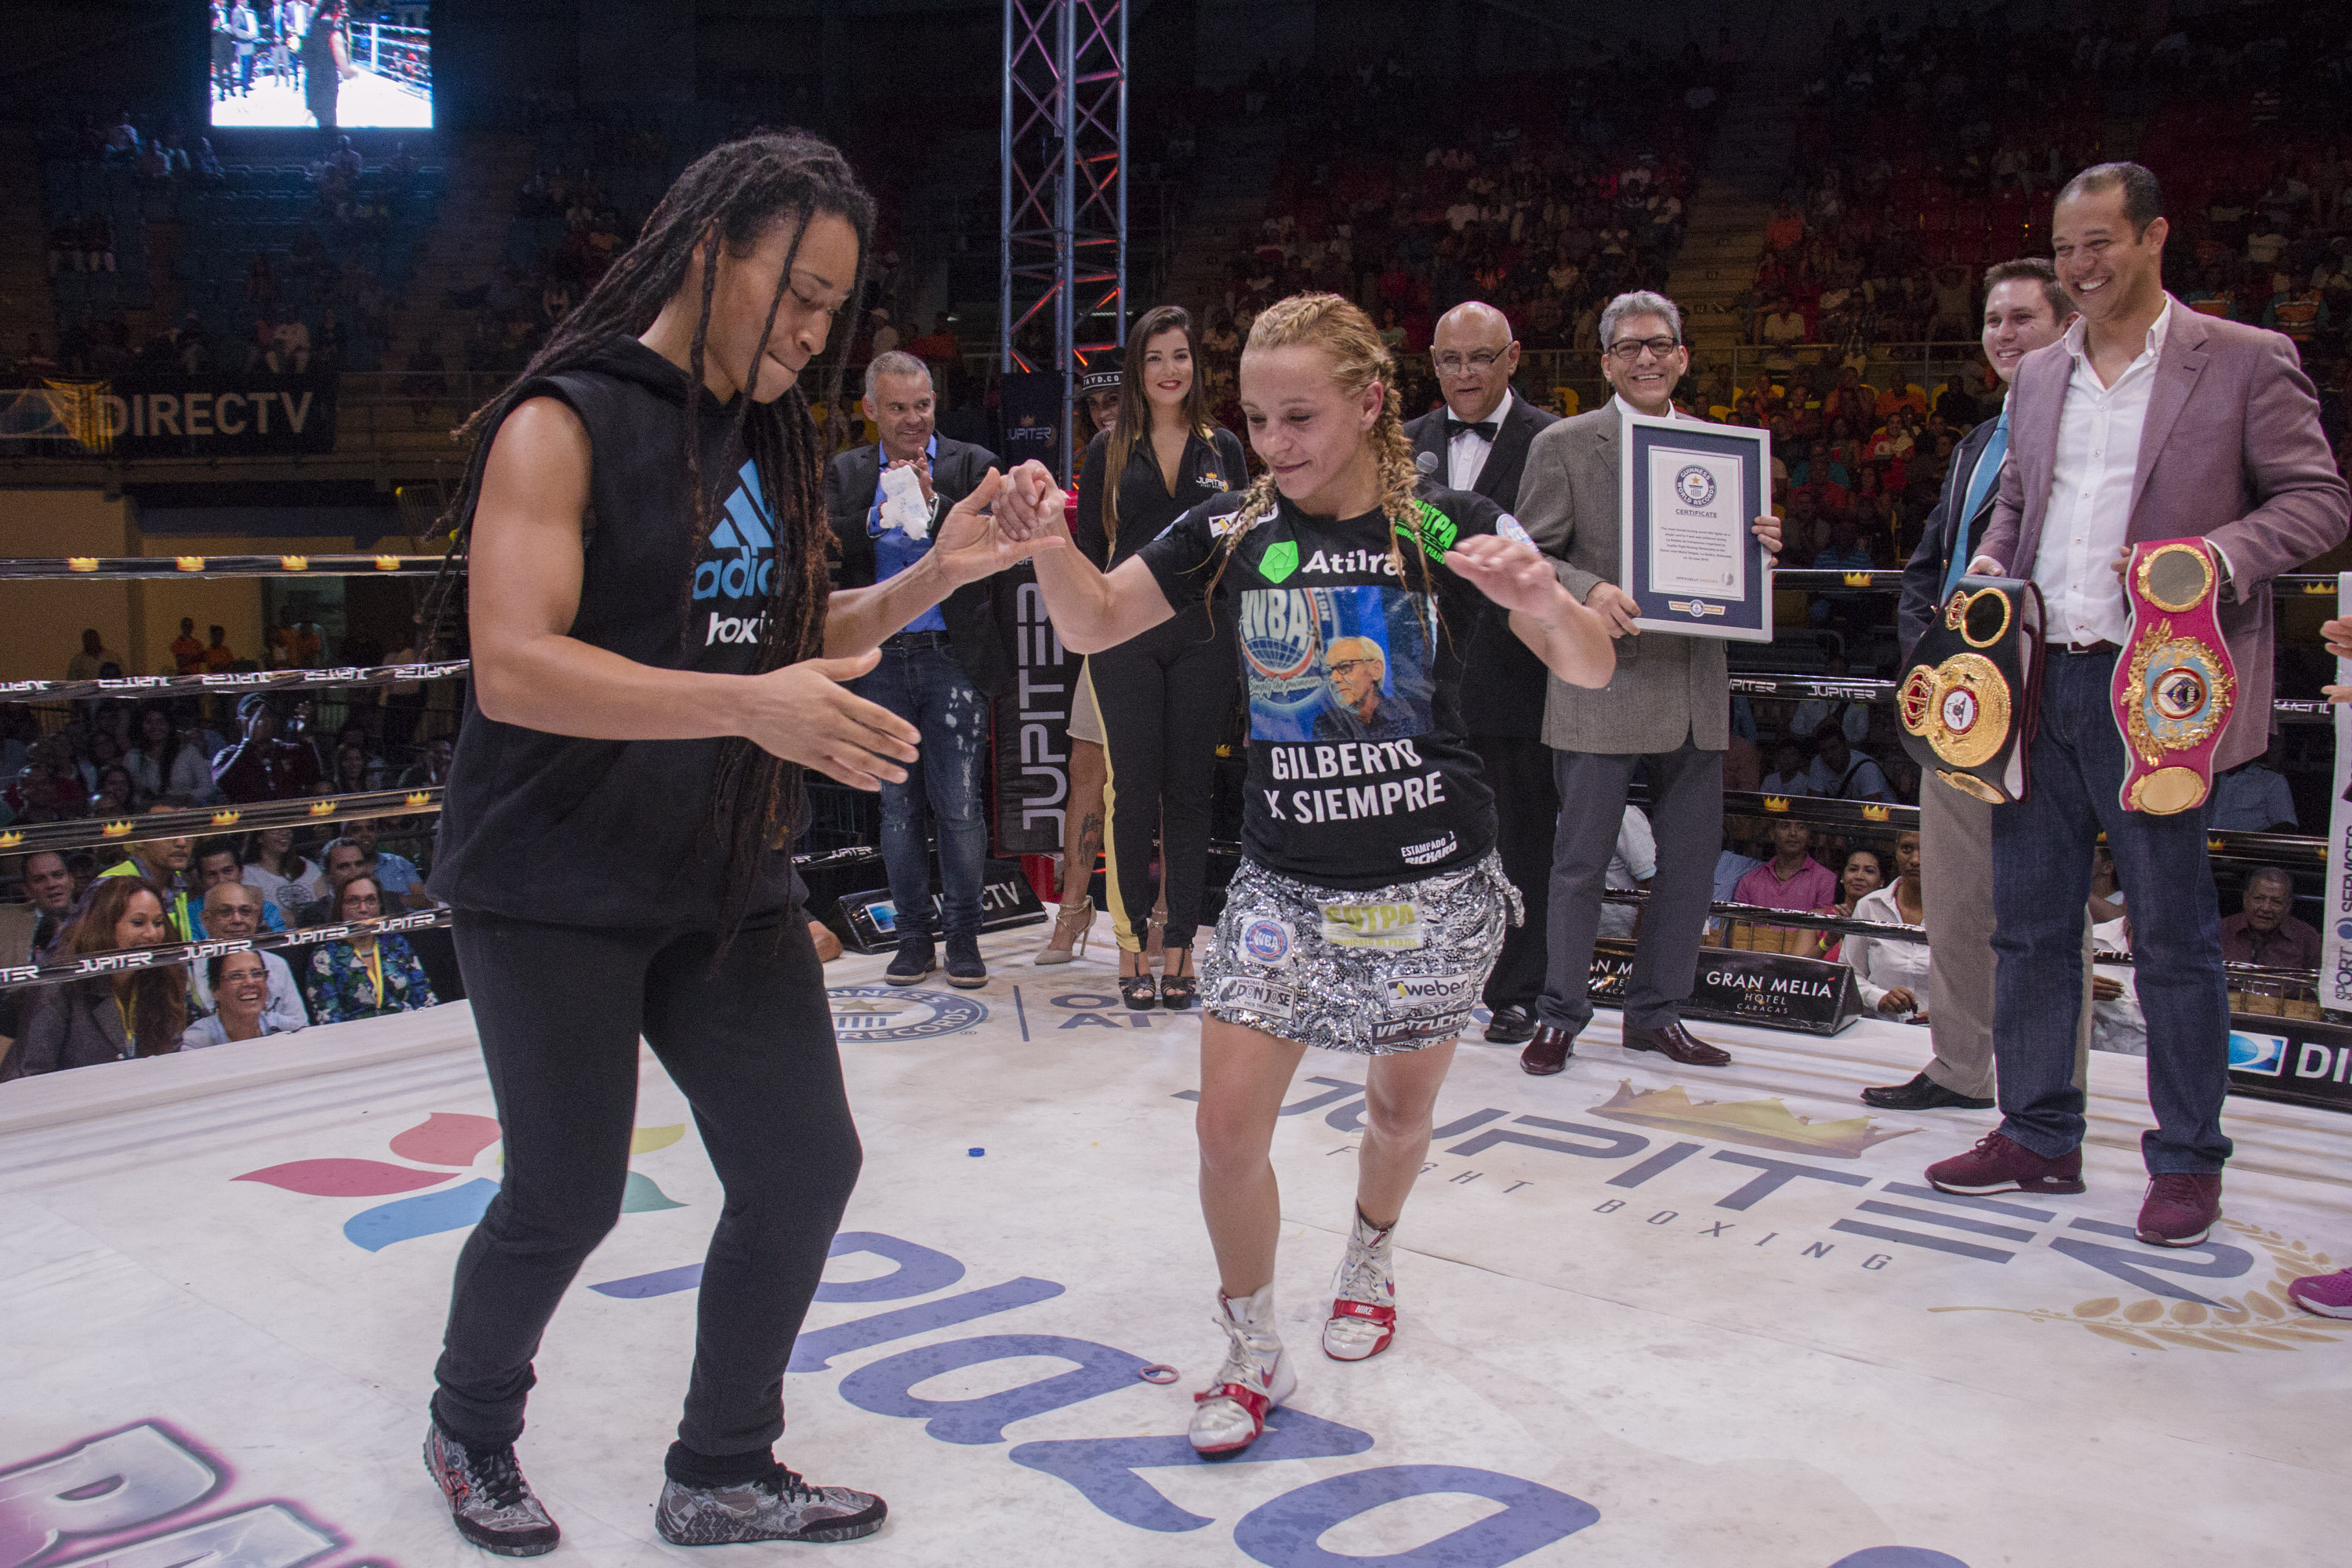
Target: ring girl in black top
pixel 1163 695
pixel 1370 903
pixel 657 657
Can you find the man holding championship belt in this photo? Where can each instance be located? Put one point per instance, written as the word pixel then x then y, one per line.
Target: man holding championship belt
pixel 2024 310
pixel 2146 422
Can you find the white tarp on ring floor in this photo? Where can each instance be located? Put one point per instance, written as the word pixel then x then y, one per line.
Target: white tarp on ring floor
pixel 1651 1315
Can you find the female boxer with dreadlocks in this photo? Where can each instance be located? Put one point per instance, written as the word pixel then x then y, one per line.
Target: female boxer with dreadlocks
pixel 1370 903
pixel 657 659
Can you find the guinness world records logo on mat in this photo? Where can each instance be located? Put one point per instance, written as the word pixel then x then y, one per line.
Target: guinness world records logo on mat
pixel 1284 632
pixel 865 1015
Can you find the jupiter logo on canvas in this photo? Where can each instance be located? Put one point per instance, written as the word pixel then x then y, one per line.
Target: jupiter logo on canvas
pixel 447 1153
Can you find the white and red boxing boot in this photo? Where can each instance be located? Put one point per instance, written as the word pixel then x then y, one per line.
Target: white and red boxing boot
pixel 1363 1313
pixel 1230 1413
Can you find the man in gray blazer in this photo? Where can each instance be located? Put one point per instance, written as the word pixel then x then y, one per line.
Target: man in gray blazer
pixel 2146 421
pixel 1666 710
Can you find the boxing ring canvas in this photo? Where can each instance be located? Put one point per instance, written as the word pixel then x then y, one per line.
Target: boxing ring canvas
pixel 1651 1315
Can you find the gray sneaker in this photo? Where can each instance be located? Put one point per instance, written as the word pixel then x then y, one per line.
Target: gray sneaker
pixel 781 1508
pixel 489 1501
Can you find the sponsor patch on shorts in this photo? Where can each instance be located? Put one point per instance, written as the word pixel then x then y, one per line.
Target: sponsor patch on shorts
pixel 1254 996
pixel 1266 941
pixel 1429 1026
pixel 1394 927
pixel 1430 853
pixel 1437 990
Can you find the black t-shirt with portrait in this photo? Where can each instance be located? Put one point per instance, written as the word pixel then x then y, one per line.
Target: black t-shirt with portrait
pixel 1360 774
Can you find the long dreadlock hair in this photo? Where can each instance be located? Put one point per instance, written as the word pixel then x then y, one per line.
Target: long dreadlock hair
pixel 734 195
pixel 1359 358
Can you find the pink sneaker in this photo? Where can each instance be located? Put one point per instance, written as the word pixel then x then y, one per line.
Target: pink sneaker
pixel 2329 1295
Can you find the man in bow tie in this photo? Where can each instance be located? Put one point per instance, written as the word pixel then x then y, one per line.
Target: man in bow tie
pixel 1479 442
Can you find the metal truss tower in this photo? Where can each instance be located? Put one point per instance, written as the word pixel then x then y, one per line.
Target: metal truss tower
pixel 1063 143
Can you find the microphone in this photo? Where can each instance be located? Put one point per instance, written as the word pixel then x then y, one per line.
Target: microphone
pixel 1426 462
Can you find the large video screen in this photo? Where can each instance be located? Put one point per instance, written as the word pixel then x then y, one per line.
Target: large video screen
pixel 342 65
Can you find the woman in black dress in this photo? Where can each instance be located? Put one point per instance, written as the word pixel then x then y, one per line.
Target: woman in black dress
pixel 1164 697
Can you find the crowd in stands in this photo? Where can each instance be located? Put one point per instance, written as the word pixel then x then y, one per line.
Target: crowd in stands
pixel 1542 202
pixel 163 258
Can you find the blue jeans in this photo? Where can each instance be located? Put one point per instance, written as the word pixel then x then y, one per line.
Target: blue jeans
pixel 2041 879
pixel 920 682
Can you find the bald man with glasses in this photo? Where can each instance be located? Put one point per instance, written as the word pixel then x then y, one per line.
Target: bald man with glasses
pixel 1479 442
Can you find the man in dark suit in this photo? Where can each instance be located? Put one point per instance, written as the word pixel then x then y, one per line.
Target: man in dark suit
pixel 938 674
pixel 2146 421
pixel 2024 310
pixel 1479 442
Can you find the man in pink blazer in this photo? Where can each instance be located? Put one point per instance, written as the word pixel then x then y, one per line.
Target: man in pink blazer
pixel 2146 421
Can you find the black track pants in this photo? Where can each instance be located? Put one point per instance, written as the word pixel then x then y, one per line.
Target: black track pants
pixel 751 1045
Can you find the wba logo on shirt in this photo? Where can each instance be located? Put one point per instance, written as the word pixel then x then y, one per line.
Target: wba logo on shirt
pixel 737 570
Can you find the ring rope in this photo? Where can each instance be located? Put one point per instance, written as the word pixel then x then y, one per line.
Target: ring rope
pixel 132 568
pixel 139 687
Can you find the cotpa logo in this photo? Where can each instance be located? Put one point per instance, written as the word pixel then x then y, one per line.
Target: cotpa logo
pixel 2263 1054
pixel 865 1014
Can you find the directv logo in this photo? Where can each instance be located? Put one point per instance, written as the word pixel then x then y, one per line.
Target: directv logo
pixel 739 561
pixel 2263 1054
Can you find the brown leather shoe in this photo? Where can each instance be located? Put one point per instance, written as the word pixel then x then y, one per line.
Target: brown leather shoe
pixel 1548 1052
pixel 1676 1045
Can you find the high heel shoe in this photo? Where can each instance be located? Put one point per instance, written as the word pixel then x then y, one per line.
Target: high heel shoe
pixel 1138 992
pixel 1178 989
pixel 1083 919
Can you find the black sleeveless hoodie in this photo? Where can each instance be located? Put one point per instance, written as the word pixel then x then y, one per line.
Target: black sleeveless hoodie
pixel 615 833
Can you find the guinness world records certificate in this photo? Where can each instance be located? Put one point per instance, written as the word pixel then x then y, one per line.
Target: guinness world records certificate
pixel 1691 493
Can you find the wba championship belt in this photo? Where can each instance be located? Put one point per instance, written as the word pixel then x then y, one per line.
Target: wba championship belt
pixel 2175 685
pixel 1967 702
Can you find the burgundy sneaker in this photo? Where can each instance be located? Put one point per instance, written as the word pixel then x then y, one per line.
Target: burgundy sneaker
pixel 2180 1208
pixel 2329 1295
pixel 1999 1164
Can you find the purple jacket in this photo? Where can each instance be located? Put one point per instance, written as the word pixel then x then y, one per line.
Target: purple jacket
pixel 2232 451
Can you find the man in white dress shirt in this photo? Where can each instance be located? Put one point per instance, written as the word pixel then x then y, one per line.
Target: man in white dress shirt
pixel 2146 421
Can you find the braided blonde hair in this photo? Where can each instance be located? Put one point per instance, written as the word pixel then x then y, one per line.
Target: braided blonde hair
pixel 1359 358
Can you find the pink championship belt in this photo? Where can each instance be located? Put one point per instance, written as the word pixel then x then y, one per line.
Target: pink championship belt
pixel 2174 686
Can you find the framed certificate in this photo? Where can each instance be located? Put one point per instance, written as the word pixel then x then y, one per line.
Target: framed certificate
pixel 1692 492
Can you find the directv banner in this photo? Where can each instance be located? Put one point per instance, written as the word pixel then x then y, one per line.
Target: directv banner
pixel 173 417
pixel 2295 1059
pixel 2335 903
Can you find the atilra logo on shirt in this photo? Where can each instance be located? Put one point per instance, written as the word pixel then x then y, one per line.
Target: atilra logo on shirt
pixel 1280 560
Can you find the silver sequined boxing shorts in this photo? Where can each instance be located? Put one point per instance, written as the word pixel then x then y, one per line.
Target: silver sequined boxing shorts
pixel 1376 971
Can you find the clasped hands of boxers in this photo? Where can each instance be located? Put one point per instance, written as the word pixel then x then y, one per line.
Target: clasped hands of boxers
pixel 1014 515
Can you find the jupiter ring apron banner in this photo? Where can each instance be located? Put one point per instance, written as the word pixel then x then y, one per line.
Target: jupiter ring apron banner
pixel 1967 705
pixel 2175 685
pixel 1692 494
